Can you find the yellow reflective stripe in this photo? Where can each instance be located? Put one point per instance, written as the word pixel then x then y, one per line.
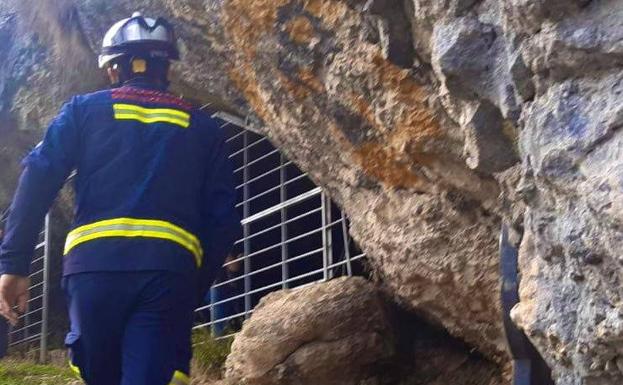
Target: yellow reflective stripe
pixel 180 378
pixel 75 369
pixel 151 115
pixel 131 227
pixel 160 119
pixel 144 110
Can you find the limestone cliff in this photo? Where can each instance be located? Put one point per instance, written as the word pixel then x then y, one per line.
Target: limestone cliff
pixel 430 122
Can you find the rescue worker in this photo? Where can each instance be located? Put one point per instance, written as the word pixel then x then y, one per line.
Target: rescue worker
pixel 155 214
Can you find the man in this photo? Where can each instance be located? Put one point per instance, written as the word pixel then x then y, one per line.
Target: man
pixel 155 214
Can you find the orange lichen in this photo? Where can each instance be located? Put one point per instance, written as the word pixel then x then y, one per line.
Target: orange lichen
pixel 388 157
pixel 330 12
pixel 301 30
pixel 310 80
pixel 381 163
pixel 294 89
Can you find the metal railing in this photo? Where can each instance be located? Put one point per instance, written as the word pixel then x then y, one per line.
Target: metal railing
pixel 31 333
pixel 293 235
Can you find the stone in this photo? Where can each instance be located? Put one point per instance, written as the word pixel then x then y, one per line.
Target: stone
pixel 311 335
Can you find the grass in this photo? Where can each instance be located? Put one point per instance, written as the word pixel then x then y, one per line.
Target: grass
pixel 25 373
pixel 209 357
pixel 209 354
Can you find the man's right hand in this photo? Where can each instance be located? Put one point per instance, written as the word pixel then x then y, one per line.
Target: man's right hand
pixel 14 296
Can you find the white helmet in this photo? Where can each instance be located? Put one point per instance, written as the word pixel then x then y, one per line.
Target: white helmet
pixel 139 36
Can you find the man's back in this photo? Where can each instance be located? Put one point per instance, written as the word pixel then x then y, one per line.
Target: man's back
pixel 144 155
pixel 155 214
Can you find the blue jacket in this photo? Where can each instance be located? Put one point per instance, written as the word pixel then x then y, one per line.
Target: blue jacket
pixel 154 186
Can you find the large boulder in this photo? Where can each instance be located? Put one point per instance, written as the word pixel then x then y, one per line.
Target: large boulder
pixel 344 332
pixel 336 333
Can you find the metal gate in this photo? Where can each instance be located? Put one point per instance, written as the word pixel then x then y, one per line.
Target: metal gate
pixel 31 333
pixel 293 235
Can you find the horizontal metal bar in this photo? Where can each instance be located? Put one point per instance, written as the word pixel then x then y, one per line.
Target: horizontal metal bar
pixel 253 180
pixel 277 226
pixel 236 153
pixel 277 208
pixel 290 240
pixel 256 196
pixel 27 340
pixel 234 137
pixel 32 275
pixel 244 313
pixel 258 290
pixel 37 310
pixel 235 120
pixel 35 298
pixel 266 268
pixel 261 158
pixel 25 327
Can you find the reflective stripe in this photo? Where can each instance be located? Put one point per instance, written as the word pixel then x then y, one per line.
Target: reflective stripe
pixel 151 115
pixel 75 369
pixel 180 378
pixel 130 227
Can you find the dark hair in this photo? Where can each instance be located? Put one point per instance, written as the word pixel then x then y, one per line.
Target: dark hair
pixel 156 70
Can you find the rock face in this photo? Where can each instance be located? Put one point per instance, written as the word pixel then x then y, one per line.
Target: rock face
pixel 428 121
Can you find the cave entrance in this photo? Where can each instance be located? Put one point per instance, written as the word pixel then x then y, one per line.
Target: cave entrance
pixel 293 234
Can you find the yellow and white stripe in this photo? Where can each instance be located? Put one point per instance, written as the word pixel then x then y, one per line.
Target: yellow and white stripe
pixel 151 115
pixel 132 227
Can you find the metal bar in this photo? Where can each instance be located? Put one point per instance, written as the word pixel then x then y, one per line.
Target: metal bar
pixel 314 211
pixel 23 341
pixel 291 240
pixel 246 228
pixel 261 158
pixel 43 352
pixel 298 257
pixel 255 179
pixel 283 196
pixel 325 260
pixel 345 237
pixel 247 146
pixel 234 137
pixel 256 196
pixel 288 203
pixel 25 327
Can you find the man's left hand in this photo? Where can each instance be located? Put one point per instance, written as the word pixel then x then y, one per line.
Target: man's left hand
pixel 14 296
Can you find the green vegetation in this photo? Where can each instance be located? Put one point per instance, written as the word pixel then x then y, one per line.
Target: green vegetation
pixel 209 353
pixel 25 373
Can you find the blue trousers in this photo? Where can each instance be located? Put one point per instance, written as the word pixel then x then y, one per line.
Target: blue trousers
pixel 131 328
pixel 4 337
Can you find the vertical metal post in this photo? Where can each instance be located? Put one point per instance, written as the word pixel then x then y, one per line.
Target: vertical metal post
pixel 43 348
pixel 329 231
pixel 327 239
pixel 283 177
pixel 345 237
pixel 246 229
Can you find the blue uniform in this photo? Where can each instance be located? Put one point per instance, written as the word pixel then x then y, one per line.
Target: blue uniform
pixel 154 195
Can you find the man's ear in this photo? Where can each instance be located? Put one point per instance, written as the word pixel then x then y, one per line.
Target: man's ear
pixel 113 75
